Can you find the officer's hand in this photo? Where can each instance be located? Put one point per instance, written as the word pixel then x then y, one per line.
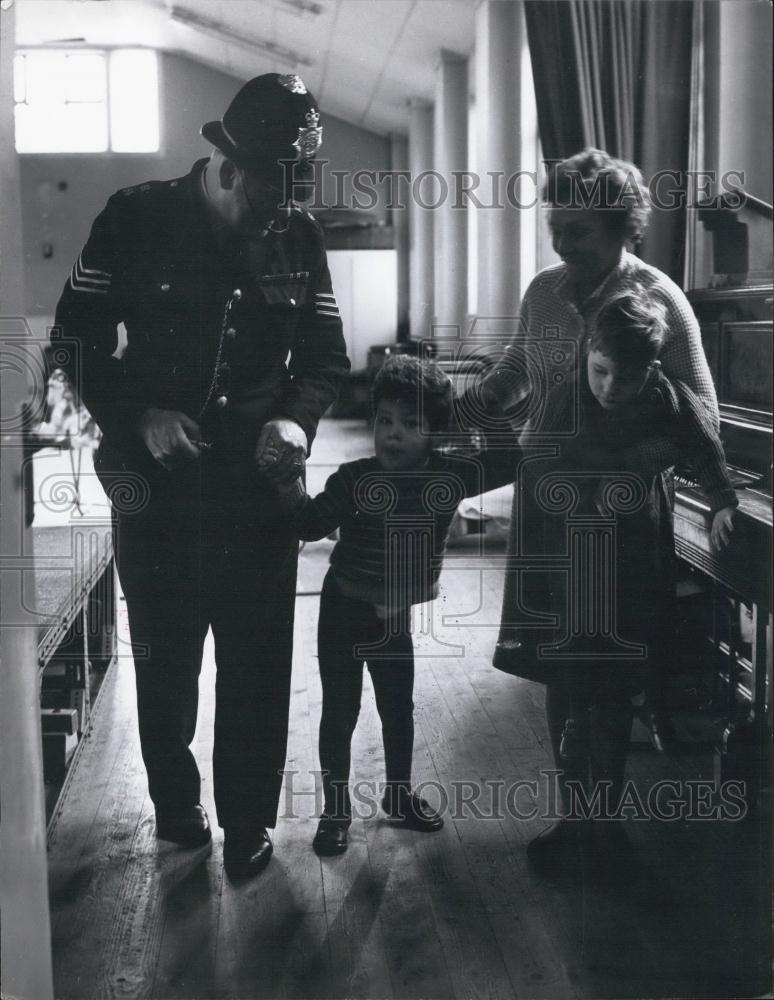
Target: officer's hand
pixel 169 436
pixel 281 450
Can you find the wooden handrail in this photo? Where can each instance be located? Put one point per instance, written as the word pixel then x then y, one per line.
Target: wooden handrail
pixel 760 206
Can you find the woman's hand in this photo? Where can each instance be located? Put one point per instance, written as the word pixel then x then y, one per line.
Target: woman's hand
pixel 722 526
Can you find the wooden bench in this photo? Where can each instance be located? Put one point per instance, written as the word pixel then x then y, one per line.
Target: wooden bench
pixel 73 590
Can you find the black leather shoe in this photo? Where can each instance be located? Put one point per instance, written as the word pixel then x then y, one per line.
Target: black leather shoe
pixel 412 810
pixel 246 852
pixel 331 836
pixel 189 828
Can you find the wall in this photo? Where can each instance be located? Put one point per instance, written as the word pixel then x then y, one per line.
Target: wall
pixel 190 95
pixel 744 92
pixel 25 938
pixel 347 147
pixel 737 121
pixel 366 287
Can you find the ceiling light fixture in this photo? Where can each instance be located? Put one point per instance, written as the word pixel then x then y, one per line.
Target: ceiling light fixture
pixel 227 34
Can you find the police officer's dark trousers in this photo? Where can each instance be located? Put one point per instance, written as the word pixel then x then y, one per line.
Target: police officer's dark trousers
pixel 182 571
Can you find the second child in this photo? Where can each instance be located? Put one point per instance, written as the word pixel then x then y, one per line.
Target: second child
pixel 632 401
pixel 605 422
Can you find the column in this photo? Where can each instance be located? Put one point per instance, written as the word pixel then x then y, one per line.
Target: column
pixel 399 161
pixel 500 39
pixel 450 226
pixel 420 152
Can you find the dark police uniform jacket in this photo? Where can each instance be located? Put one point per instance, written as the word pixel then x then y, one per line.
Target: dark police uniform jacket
pixel 231 338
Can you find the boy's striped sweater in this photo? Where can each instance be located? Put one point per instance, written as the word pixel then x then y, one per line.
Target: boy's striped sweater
pixel 394 525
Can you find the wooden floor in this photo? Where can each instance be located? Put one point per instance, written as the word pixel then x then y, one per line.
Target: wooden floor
pixel 401 914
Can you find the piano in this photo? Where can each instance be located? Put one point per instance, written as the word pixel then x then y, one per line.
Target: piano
pixel 736 326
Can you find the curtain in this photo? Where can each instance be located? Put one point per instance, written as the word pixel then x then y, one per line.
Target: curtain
pixel 616 74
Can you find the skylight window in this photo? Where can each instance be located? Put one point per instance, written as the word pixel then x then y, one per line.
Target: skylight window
pixel 86 101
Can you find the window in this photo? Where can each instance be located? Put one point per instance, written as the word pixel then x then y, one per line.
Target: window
pixel 86 101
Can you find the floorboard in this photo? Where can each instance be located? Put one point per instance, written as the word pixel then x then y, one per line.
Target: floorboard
pixel 456 914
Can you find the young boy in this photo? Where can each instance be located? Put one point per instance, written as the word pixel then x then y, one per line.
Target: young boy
pixel 393 512
pixel 624 400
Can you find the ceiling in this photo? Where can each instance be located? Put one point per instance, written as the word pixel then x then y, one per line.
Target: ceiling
pixel 363 59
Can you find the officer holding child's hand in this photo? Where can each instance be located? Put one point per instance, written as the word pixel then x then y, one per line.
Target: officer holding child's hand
pixel 234 351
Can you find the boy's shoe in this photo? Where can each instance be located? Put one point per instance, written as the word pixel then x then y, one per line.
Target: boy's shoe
pixel 189 827
pixel 331 836
pixel 413 811
pixel 575 741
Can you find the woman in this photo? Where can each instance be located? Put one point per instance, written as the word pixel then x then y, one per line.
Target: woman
pixel 598 208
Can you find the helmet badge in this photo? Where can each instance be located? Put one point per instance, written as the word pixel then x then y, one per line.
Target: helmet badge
pixel 310 138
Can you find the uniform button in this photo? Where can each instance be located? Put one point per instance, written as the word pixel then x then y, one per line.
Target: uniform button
pixel 165 287
pixel 222 401
pixel 236 295
pixel 292 302
pixel 231 332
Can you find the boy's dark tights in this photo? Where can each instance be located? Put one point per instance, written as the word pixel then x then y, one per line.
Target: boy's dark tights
pixel 609 712
pixel 344 625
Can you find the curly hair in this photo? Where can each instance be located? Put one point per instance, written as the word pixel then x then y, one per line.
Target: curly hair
pixel 614 188
pixel 419 383
pixel 629 328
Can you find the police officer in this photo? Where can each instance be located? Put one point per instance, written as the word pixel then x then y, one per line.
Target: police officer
pixel 234 350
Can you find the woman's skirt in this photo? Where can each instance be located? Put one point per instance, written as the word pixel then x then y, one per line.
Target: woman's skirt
pixel 589 583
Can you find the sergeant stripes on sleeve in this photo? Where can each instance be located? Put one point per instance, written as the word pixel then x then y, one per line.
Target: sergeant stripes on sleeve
pixel 89 279
pixel 325 304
